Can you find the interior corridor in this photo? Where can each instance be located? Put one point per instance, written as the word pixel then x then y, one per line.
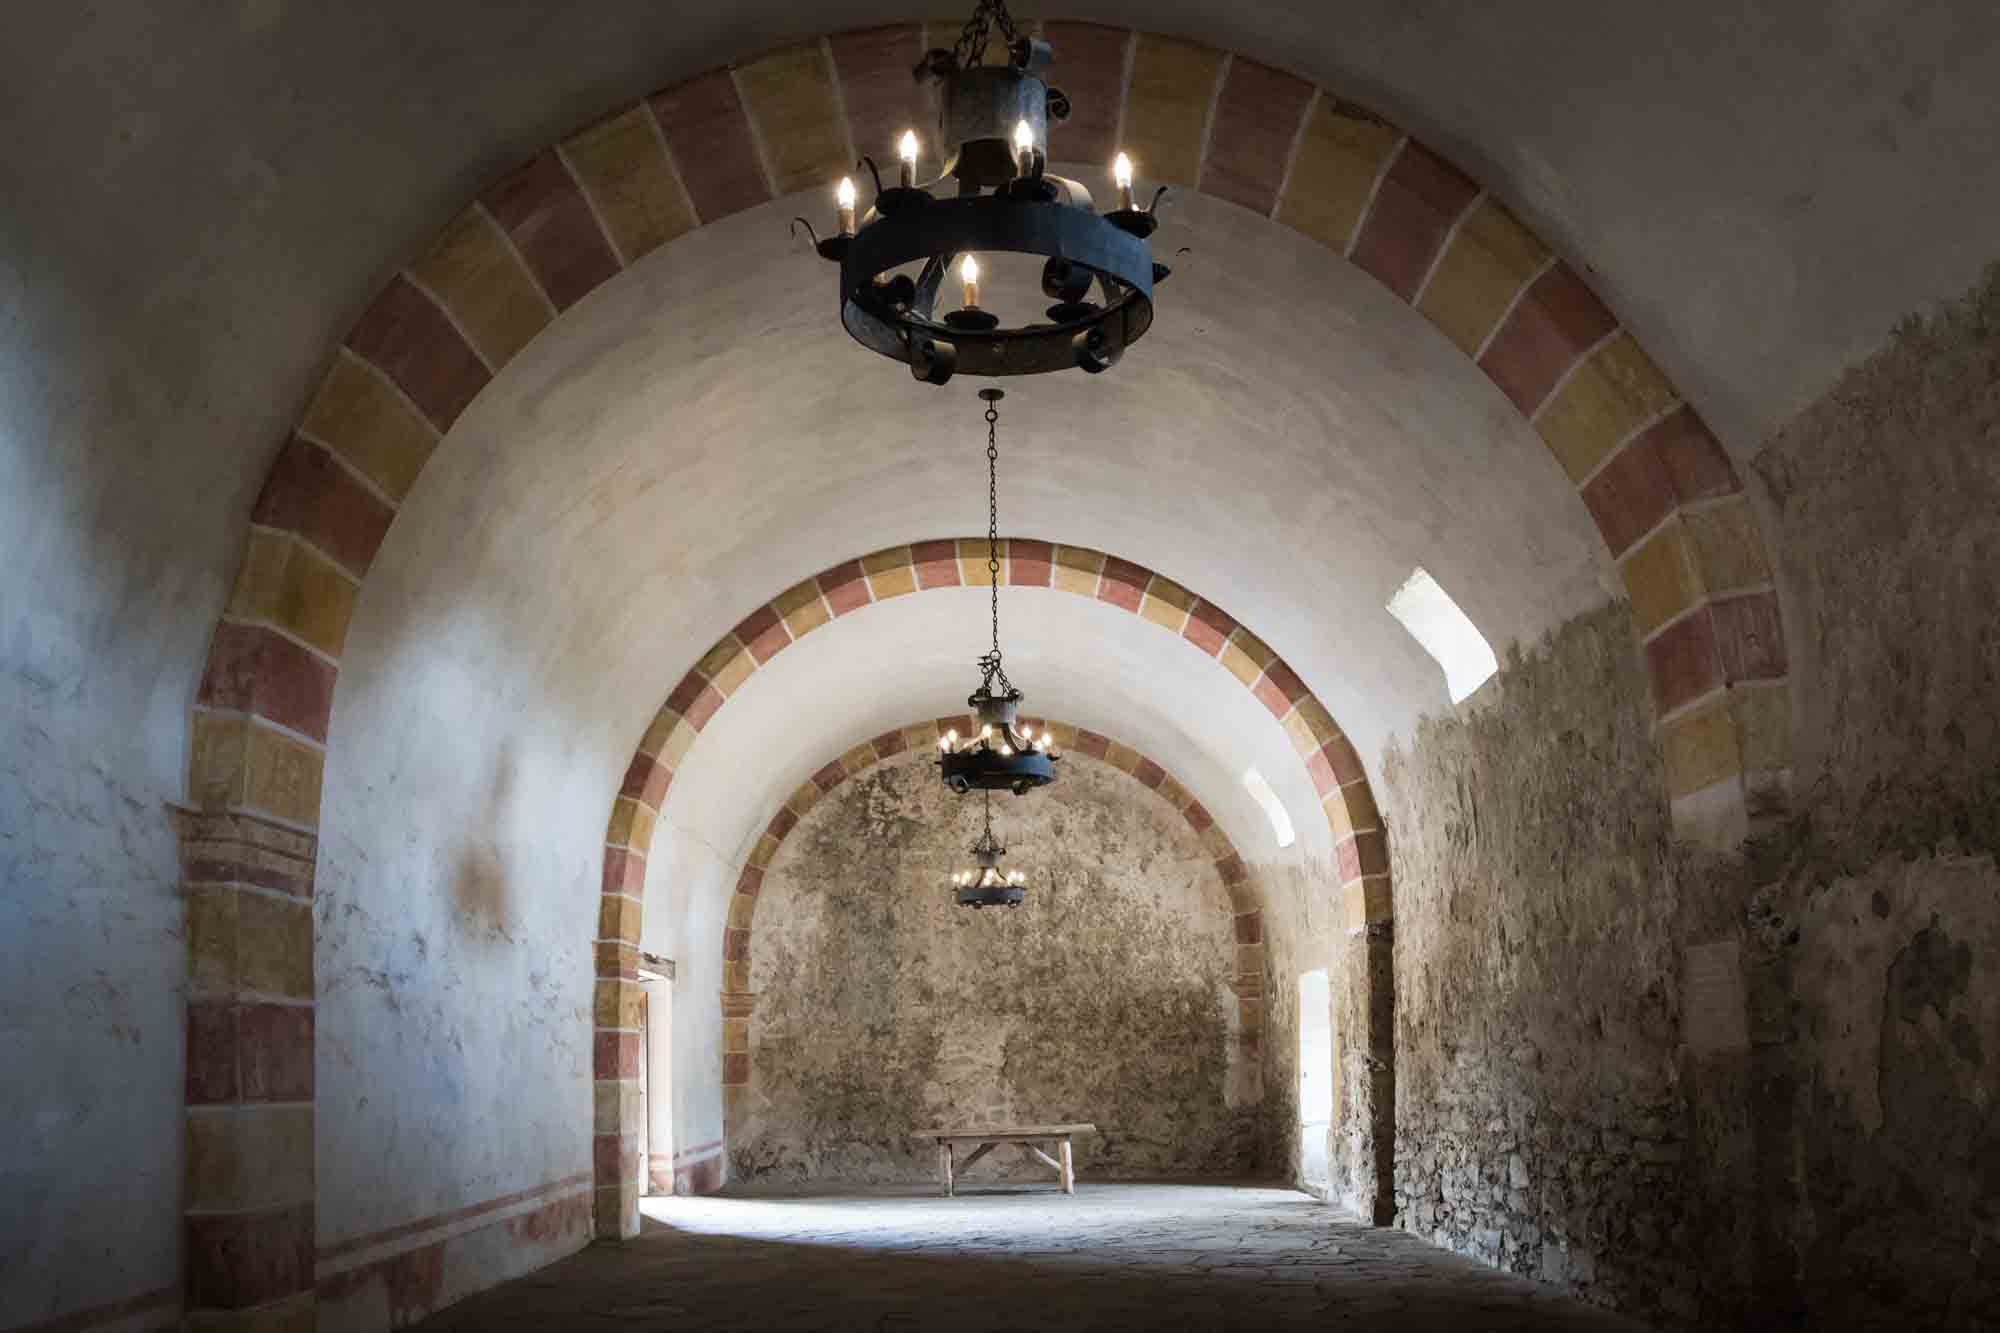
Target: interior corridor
pixel 1011 1256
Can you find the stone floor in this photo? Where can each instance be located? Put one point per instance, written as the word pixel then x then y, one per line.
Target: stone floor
pixel 1115 1256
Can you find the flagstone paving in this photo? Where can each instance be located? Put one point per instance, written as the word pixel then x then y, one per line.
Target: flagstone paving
pixel 1113 1256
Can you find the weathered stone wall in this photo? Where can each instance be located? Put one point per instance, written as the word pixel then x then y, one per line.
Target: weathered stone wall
pixel 884 1008
pixel 1875 942
pixel 1549 1118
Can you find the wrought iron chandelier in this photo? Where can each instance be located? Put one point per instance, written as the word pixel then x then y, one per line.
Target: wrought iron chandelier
pixel 994 125
pixel 1002 755
pixel 985 885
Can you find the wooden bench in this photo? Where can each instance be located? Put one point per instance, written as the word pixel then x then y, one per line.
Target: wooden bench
pixel 1029 1137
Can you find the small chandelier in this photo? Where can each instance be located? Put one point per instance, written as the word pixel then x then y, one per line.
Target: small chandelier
pixel 985 885
pixel 1002 755
pixel 994 124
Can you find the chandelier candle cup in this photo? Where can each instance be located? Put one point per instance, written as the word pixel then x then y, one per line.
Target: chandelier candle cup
pixel 1121 171
pixel 1024 149
pixel 906 153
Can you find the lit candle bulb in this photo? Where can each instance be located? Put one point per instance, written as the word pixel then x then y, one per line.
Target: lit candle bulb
pixel 844 196
pixel 944 745
pixel 968 273
pixel 1024 149
pixel 907 150
pixel 1007 751
pixel 1048 741
pixel 986 730
pixel 1121 171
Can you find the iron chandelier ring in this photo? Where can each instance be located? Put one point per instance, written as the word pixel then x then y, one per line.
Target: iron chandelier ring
pixel 893 318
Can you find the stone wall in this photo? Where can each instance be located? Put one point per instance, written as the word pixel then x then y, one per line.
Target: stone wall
pixel 884 1008
pixel 1874 944
pixel 1549 1115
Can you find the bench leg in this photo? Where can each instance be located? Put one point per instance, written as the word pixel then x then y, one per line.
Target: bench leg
pixel 1068 1169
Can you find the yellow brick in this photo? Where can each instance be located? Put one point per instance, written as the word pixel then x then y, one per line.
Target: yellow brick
pixel 1658 579
pixel 1365 901
pixel 1166 603
pixel 1076 569
pixel 625 170
pixel 284 582
pixel 1727 549
pixel 972 555
pixel 211 940
pixel 802 608
pixel 1362 813
pixel 1313 713
pixel 742 910
pixel 274 946
pixel 726 665
pixel 1338 820
pixel 680 739
pixel 735 1035
pixel 1339 157
pixel 860 758
pixel 736 976
pixel 1611 395
pixel 1301 734
pixel 631 824
pixel 1246 656
pixel 360 417
pixel 1121 757
pixel 889 572
pixel 618 918
pixel 1173 793
pixel 282 777
pixel 1064 733
pixel 1491 257
pixel 804 798
pixel 248 1157
pixel 1701 749
pixel 1166 108
pixel 789 94
pixel 921 735
pixel 217 765
pixel 766 848
pixel 616 1105
pixel 484 285
pixel 1763 718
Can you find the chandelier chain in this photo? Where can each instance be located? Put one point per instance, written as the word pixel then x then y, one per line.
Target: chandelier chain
pixel 970 48
pixel 989 664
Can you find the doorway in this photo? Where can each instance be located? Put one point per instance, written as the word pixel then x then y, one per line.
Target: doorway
pixel 656 1078
pixel 1316 1082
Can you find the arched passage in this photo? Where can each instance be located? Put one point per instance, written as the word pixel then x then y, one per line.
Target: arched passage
pixel 1247 924
pixel 1359 845
pixel 1658 487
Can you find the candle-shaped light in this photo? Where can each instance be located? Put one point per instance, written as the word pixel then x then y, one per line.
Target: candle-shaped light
pixel 907 151
pixel 968 273
pixel 1121 171
pixel 844 196
pixel 1024 149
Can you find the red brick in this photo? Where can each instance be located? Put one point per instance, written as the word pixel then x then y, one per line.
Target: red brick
pixel 1232 869
pixel 829 777
pixel 936 564
pixel 1554 323
pixel 764 634
pixel 1208 627
pixel 253 669
pixel 882 99
pixel 1372 851
pixel 1683 662
pixel 615 1158
pixel 735 1069
pixel 1322 774
pixel 310 493
pixel 1695 459
pixel 237 1260
pixel 1250 928
pixel 408 338
pixel 1347 857
pixel 1749 637
pixel 1280 688
pixel 624 872
pixel 1630 495
pixel 275 1052
pixel 709 136
pixel 695 700
pixel 541 207
pixel 781 823
pixel 1090 67
pixel 735 946
pixel 1029 562
pixel 1346 763
pixel 1149 773
pixel 639 774
pixel 750 881
pixel 212 1074
pixel 1091 743
pixel 845 587
pixel 890 743
pixel 1197 816
pixel 1124 583
pixel 614 1055
pixel 1256 119
pixel 1419 199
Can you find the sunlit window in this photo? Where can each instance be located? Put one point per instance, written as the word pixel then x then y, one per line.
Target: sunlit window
pixel 1446 634
pixel 1274 809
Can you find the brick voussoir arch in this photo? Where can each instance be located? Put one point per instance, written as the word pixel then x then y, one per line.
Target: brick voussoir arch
pixel 1361 853
pixel 1662 491
pixel 739 1004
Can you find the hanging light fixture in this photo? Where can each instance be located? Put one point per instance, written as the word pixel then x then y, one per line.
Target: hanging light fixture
pixel 985 885
pixel 1002 755
pixel 994 122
